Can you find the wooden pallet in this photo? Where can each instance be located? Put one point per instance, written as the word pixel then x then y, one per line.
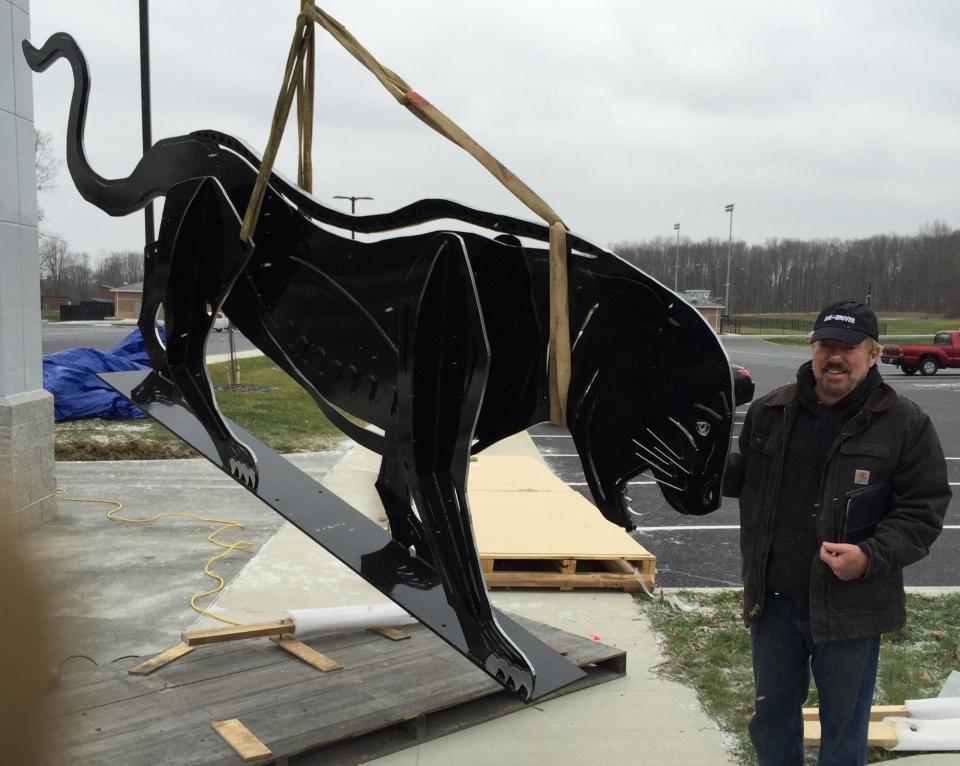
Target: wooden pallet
pixel 388 696
pixel 571 573
pixel 533 531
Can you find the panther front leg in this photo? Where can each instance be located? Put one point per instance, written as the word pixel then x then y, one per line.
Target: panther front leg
pixel 444 360
pixel 395 495
pixel 200 255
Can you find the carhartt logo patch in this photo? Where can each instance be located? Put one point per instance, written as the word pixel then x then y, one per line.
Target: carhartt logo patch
pixel 861 476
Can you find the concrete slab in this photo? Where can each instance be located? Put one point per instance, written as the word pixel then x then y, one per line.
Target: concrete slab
pixel 640 714
pixel 118 589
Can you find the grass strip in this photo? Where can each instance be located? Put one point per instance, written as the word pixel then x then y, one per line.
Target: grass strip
pixel 268 403
pixel 708 648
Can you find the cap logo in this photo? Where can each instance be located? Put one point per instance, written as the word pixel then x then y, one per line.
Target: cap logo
pixel 839 318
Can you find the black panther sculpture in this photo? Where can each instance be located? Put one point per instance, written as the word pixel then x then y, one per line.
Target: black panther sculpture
pixel 438 341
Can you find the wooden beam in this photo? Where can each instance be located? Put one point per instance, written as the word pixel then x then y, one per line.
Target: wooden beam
pixel 879 734
pixel 241 739
pixel 877 712
pixel 394 634
pixel 255 630
pixel 161 660
pixel 306 654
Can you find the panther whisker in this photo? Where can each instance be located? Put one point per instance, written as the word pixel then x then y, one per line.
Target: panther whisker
pixel 656 459
pixel 667 484
pixel 665 446
pixel 678 465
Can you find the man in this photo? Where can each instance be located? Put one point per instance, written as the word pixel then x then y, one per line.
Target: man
pixel 842 483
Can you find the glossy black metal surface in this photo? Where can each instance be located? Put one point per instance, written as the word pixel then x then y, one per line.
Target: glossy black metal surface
pixel 437 339
pixel 354 539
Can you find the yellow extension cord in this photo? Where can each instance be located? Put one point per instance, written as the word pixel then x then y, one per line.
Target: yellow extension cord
pixel 224 524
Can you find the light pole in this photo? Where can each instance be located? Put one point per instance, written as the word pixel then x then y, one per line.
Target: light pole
pixel 353 207
pixel 676 262
pixel 145 118
pixel 726 300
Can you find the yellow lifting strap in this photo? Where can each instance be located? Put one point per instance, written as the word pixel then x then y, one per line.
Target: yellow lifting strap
pixel 298 81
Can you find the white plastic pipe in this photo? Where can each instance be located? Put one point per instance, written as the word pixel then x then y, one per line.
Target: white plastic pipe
pixel 330 619
pixel 934 708
pixel 937 736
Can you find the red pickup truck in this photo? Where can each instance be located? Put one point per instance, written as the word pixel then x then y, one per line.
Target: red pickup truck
pixel 943 352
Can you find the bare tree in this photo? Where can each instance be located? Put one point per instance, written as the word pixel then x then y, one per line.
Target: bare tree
pixel 54 260
pixel 121 268
pixel 45 163
pixel 78 277
pixel 905 273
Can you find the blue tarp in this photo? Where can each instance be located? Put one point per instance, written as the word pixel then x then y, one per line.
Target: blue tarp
pixel 71 376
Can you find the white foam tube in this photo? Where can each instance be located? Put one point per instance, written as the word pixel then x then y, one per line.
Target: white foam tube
pixel 936 736
pixel 329 619
pixel 934 708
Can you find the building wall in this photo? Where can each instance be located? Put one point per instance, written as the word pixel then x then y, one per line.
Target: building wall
pixel 19 273
pixel 26 410
pixel 712 315
pixel 128 305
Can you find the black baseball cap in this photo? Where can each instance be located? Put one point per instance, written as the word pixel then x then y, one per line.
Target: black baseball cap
pixel 846 321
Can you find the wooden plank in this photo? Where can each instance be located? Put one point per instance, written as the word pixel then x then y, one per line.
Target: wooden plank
pixel 241 739
pixel 307 654
pixel 161 660
pixel 879 734
pixel 877 712
pixel 556 580
pixel 511 473
pixel 238 633
pixel 394 634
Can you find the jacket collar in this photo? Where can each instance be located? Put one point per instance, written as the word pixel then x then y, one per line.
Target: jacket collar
pixel 880 399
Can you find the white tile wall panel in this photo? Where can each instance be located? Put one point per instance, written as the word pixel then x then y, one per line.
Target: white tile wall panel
pixel 7 98
pixel 9 169
pixel 11 310
pixel 23 5
pixel 30 309
pixel 22 80
pixel 26 172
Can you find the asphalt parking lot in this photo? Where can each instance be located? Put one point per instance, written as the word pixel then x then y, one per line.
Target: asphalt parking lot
pixel 704 551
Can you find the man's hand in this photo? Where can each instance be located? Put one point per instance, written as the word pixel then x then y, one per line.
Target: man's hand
pixel 847 562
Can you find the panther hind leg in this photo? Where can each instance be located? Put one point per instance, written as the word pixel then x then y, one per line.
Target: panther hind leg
pixel 444 360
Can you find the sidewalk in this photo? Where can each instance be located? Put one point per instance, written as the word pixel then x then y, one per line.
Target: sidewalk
pixel 123 589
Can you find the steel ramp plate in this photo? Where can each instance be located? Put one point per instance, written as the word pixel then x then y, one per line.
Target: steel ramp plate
pixel 351 537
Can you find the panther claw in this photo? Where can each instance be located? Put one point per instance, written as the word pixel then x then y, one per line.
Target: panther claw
pixel 242 466
pixel 245 474
pixel 513 677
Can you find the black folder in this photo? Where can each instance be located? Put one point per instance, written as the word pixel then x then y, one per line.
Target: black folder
pixel 865 509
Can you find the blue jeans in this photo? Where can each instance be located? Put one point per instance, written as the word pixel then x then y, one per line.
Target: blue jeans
pixel 845 672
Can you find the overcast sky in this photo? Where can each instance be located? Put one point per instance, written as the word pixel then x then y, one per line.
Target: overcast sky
pixel 817 119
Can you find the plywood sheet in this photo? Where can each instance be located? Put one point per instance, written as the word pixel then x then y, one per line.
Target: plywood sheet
pixel 521 509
